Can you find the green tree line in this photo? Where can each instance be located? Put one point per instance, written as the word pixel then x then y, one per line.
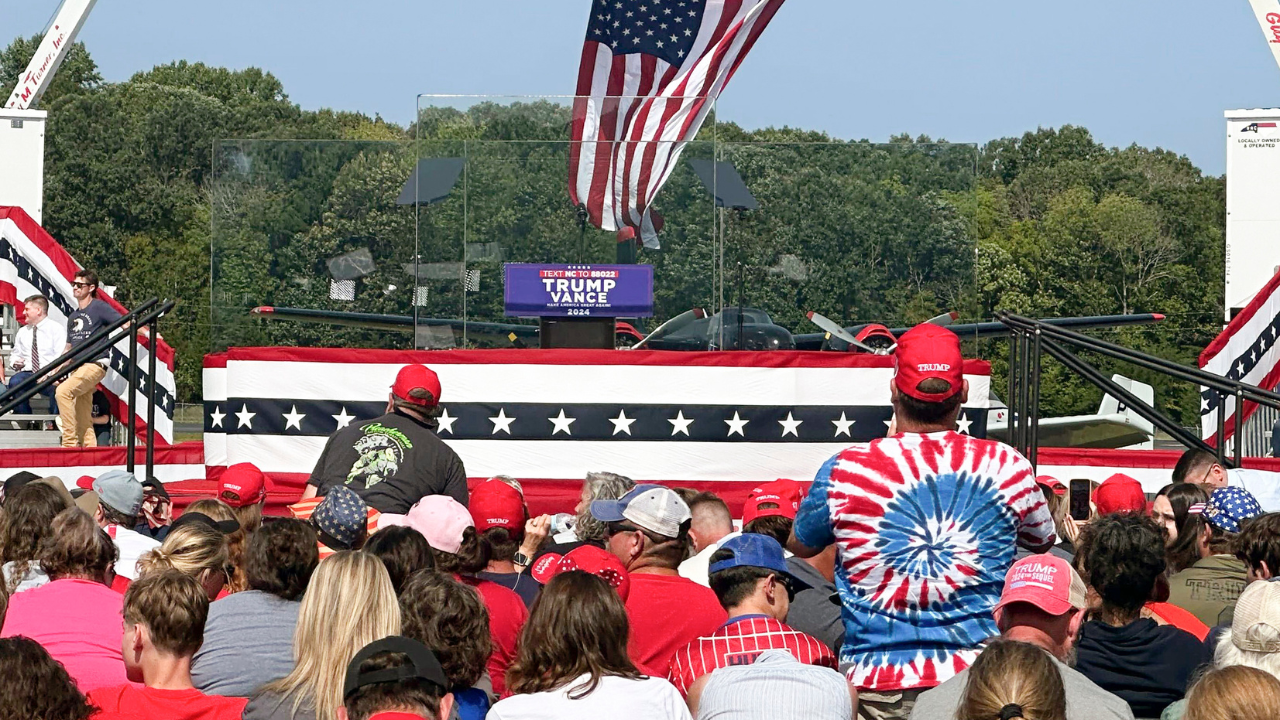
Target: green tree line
pixel 209 186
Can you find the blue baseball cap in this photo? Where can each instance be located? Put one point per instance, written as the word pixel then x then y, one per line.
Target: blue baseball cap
pixel 1228 507
pixel 343 516
pixel 752 550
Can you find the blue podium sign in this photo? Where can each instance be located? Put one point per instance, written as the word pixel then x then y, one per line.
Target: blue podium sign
pixel 578 290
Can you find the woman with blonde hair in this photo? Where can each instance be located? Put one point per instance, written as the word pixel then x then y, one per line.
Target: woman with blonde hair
pixel 349 603
pixel 1013 680
pixel 1234 693
pixel 237 540
pixel 194 549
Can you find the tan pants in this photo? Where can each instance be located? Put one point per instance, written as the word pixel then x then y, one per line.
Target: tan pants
pixel 887 705
pixel 75 405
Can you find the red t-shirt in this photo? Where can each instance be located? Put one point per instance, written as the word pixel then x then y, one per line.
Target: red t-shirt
pixel 666 613
pixel 739 642
pixel 507 613
pixel 147 703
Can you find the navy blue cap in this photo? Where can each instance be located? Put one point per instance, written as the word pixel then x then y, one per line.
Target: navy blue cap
pixel 752 550
pixel 342 515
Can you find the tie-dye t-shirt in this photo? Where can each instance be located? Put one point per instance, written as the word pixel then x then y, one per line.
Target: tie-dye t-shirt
pixel 925 526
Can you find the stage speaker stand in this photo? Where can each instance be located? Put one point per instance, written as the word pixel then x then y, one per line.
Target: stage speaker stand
pixel 588 332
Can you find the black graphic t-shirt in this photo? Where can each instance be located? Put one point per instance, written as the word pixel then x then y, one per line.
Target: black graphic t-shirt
pixel 84 321
pixel 391 462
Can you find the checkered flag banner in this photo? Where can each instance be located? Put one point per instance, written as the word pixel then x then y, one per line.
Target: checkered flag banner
pixel 1246 351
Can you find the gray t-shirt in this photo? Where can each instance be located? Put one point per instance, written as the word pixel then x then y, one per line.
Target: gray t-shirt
pixel 1085 700
pixel 815 609
pixel 274 706
pixel 776 685
pixel 248 642
pixel 32 574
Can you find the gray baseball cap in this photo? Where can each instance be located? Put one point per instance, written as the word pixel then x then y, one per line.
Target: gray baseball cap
pixel 653 507
pixel 120 491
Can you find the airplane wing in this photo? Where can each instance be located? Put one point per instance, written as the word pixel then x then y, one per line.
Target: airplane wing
pixel 977 331
pixel 490 331
pixel 1113 426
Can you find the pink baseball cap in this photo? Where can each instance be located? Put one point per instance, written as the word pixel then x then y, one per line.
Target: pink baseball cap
pixel 1046 581
pixel 439 518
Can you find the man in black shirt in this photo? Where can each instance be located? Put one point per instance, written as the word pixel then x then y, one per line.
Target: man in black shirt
pixel 394 460
pixel 75 393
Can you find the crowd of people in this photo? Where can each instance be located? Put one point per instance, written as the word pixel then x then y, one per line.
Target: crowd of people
pixel 926 575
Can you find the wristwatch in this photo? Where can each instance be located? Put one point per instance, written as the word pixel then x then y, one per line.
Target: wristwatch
pixel 519 558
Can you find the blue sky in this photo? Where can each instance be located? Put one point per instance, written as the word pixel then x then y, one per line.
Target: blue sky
pixel 1132 71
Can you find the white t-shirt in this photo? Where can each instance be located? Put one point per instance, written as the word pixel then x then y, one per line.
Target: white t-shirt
pixel 696 567
pixel 616 698
pixel 1263 485
pixel 132 545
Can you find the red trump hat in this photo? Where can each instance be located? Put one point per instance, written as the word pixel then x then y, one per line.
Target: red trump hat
pixel 494 503
pixel 417 377
pixel 780 497
pixel 1119 493
pixel 241 485
pixel 926 352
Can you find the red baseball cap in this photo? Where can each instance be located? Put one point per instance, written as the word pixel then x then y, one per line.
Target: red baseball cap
pixel 588 558
pixel 417 377
pixel 241 485
pixel 784 495
pixel 874 330
pixel 1046 581
pixel 1053 483
pixel 928 351
pixel 1119 493
pixel 494 503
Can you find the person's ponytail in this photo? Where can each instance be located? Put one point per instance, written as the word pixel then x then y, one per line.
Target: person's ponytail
pixel 1011 681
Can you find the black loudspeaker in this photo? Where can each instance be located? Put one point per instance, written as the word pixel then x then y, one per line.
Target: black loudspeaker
pixel 555 332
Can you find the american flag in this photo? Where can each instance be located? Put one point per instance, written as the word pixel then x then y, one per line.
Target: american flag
pixel 650 73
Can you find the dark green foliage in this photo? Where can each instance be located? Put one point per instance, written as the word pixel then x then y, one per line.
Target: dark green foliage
pixel 188 171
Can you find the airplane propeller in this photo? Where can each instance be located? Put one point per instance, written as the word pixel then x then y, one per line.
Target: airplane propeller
pixel 832 327
pixel 673 325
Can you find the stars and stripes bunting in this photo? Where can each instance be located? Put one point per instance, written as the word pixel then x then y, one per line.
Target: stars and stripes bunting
pixel 32 262
pixel 649 75
pixel 557 414
pixel 1246 350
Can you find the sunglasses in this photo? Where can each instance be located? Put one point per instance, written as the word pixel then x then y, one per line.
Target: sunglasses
pixel 81 284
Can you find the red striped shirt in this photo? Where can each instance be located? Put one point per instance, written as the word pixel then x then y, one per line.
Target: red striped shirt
pixel 739 642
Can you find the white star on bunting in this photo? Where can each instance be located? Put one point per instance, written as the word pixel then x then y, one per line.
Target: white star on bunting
pixel 843 425
pixel 790 425
pixel 217 415
pixel 343 418
pixel 245 417
pixel 446 421
pixel 293 418
pixel 561 423
pixel 622 423
pixel 736 425
pixel 680 424
pixel 963 423
pixel 501 422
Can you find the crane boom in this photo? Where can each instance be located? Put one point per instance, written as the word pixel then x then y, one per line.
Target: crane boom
pixel 1268 14
pixel 57 42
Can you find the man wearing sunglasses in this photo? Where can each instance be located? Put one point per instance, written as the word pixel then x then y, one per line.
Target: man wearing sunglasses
pixel 1200 467
pixel 75 393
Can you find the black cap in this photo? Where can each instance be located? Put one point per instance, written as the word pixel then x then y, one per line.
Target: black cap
pixel 226 527
pixel 152 486
pixel 15 482
pixel 422 665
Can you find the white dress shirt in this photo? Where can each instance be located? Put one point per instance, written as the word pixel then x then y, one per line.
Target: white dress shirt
pixel 53 340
